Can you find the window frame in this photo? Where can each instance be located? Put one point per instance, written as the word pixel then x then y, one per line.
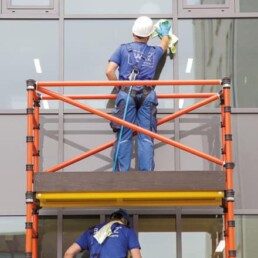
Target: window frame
pixel 9 8
pixel 186 10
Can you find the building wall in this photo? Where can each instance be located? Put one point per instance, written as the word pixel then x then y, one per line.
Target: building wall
pixel 73 40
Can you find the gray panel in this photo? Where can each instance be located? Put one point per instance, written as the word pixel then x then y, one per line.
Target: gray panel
pixel 200 132
pixel 12 160
pixel 85 132
pixel 48 141
pixel 14 155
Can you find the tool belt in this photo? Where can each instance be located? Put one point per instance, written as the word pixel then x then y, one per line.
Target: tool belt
pixel 143 92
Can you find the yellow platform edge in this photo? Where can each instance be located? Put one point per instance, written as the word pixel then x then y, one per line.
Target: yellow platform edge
pixel 146 199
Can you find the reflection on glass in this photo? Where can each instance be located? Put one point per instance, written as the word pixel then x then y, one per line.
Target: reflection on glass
pixel 24 41
pixel 201 235
pixel 117 7
pixel 74 226
pixel 207 46
pixel 30 2
pixel 47 244
pixel 157 236
pixel 248 5
pixel 204 2
pixel 246 235
pixel 12 236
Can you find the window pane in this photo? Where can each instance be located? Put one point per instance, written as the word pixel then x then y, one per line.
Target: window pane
pixel 30 2
pixel 86 59
pixel 245 63
pixel 248 5
pixel 47 236
pixel 207 53
pixel 217 48
pixel 201 235
pixel 162 228
pixel 12 237
pixel 25 44
pixel 74 226
pixel 246 235
pixel 117 7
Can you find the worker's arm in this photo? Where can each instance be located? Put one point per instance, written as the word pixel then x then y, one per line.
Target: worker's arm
pixel 111 71
pixel 164 43
pixel 72 251
pixel 136 253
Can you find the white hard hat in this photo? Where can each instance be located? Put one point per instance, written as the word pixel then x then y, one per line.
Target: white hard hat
pixel 143 26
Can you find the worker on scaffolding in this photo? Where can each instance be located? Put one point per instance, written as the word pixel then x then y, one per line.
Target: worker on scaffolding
pixel 108 240
pixel 137 104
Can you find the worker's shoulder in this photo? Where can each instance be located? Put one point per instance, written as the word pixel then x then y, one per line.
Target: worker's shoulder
pixel 92 229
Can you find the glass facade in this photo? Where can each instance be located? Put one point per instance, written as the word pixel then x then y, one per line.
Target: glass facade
pixel 248 5
pixel 75 44
pixel 201 235
pixel 12 237
pixel 81 63
pixel 158 227
pixel 246 234
pixel 207 49
pixel 117 7
pixel 30 51
pixel 47 242
pixel 73 227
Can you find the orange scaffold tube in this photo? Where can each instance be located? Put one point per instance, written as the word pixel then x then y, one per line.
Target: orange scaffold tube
pixel 131 126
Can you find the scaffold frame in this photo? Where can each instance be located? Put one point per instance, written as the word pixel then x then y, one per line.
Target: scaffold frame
pixel 37 91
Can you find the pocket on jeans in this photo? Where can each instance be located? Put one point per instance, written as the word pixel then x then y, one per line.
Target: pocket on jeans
pixel 118 112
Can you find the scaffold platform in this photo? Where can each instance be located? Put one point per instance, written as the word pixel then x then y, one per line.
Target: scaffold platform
pixel 91 189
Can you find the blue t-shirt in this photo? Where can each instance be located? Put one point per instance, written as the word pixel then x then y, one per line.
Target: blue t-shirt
pixel 116 245
pixel 126 59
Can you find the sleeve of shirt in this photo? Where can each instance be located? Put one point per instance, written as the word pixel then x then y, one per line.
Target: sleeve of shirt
pixel 133 241
pixel 116 56
pixel 159 51
pixel 82 241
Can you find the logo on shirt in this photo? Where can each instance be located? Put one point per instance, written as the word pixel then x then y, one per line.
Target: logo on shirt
pixel 138 55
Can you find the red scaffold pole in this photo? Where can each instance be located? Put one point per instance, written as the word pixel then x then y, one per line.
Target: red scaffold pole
pixel 228 166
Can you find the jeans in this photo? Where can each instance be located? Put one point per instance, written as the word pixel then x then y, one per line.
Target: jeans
pixel 145 117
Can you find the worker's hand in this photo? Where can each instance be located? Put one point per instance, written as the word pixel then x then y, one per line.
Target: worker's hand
pixel 163 29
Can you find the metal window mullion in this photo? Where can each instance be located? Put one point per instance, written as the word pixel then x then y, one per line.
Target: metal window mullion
pixel 176 89
pixel 61 89
pixel 179 252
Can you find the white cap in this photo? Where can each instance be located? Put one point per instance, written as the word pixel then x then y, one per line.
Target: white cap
pixel 143 26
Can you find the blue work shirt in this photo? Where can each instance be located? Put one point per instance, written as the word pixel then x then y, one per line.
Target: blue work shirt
pixel 125 60
pixel 116 245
